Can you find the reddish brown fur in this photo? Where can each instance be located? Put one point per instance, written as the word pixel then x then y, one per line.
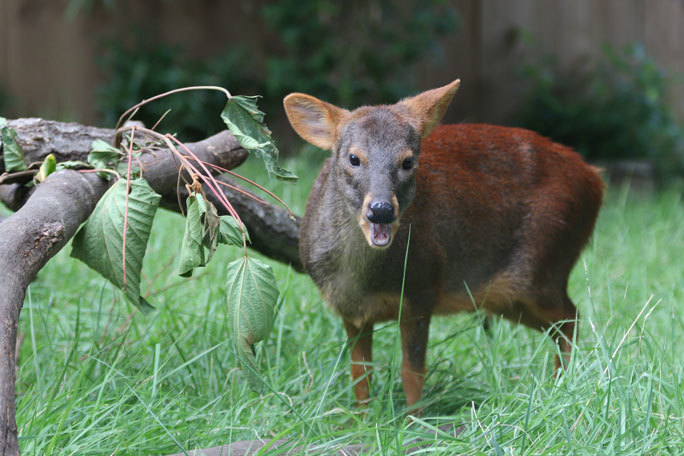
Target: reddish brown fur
pixel 498 220
pixel 560 195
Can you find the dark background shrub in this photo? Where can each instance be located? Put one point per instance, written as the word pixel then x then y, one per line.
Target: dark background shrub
pixel 615 108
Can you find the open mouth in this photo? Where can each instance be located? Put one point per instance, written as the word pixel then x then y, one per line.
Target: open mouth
pixel 379 221
pixel 380 234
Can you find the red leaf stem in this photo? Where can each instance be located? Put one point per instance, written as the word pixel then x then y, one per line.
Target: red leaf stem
pixel 249 181
pixel 213 186
pixel 239 190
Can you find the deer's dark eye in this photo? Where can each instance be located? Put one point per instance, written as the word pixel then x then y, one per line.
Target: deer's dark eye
pixel 354 160
pixel 408 163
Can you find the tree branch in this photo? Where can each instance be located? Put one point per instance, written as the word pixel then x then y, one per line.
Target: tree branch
pixel 66 141
pixel 29 238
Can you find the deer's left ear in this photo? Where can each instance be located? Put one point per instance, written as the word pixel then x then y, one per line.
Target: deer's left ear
pixel 429 107
pixel 314 120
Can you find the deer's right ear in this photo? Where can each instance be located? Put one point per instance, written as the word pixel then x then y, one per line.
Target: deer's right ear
pixel 314 120
pixel 429 107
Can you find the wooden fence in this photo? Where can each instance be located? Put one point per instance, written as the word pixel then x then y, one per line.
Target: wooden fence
pixel 47 61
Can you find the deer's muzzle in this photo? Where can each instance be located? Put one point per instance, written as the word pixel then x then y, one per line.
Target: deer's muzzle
pixel 379 221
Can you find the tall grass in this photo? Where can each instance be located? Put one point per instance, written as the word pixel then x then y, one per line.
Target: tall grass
pixel 98 378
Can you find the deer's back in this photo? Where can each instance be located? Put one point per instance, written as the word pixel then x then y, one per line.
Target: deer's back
pixel 495 198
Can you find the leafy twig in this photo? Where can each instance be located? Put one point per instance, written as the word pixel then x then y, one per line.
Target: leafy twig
pixel 212 184
pixel 18 177
pixel 100 170
pixel 156 124
pixel 208 179
pixel 239 190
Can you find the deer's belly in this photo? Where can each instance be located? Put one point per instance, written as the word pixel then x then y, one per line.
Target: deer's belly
pixel 496 296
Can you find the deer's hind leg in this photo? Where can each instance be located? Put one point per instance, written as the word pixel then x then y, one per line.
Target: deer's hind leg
pixel 556 313
pixel 566 322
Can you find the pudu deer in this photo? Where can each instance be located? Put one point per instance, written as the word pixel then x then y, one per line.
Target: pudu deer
pixel 497 218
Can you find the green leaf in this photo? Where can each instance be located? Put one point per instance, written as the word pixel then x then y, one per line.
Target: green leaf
pixel 13 155
pixel 245 122
pixel 48 167
pixel 102 154
pixel 192 251
pixel 121 169
pixel 73 164
pixel 211 226
pixel 201 231
pixel 251 296
pixel 249 104
pixel 99 243
pixel 229 232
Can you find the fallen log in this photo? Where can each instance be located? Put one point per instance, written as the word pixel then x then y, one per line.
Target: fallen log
pixel 65 140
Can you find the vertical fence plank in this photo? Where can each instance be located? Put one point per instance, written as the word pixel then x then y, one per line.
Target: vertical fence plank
pixel 664 39
pixel 460 61
pixel 3 44
pixel 51 70
pixel 506 29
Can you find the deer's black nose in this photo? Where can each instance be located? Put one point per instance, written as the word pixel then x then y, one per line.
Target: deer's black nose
pixel 380 212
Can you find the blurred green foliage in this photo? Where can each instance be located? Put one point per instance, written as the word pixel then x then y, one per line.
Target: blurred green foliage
pixel 351 53
pixel 617 109
pixel 147 69
pixel 75 7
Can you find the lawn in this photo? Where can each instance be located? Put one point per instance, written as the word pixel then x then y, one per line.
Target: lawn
pixel 98 378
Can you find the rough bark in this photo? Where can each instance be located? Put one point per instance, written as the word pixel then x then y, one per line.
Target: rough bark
pixel 28 239
pixel 71 141
pixel 67 141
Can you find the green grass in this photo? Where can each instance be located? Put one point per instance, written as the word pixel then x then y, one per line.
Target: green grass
pixel 96 378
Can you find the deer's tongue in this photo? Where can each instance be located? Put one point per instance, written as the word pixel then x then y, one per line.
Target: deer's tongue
pixel 381 234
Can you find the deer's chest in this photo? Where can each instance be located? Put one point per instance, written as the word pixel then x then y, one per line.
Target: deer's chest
pixel 361 291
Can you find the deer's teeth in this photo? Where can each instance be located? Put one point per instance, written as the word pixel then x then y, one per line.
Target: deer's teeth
pixel 381 234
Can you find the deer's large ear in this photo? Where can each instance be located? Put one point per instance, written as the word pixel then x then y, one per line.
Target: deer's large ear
pixel 314 120
pixel 429 107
